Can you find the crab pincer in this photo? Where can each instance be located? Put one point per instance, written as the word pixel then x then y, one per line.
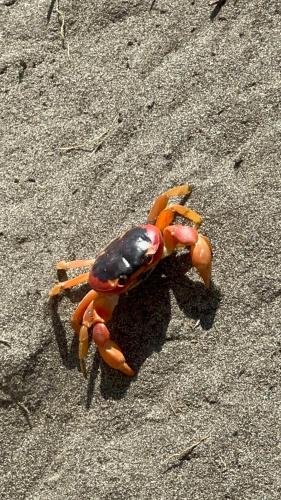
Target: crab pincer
pixel 109 350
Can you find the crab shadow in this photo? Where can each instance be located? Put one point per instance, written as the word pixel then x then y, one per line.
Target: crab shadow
pixel 140 322
pixel 67 350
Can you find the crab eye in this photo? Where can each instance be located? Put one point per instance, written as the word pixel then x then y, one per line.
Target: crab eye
pixel 122 279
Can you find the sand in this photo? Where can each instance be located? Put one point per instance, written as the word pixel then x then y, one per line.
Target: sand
pixel 103 108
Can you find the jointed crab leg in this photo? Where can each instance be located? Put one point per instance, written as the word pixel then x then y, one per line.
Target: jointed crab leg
pixel 63 285
pixel 78 314
pixel 161 202
pixel 94 310
pixel 74 264
pixel 166 217
pixel 109 350
pixel 84 336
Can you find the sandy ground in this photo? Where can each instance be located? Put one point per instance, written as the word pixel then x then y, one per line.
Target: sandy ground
pixel 154 94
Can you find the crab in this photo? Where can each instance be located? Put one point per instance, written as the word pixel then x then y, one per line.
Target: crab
pixel 126 262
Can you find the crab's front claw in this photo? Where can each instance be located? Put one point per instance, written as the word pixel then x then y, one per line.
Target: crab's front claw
pixel 110 351
pixel 201 258
pixel 113 356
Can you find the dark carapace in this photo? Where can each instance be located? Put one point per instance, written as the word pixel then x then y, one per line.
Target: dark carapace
pixel 124 261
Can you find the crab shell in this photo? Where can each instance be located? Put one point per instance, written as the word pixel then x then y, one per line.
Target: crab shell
pixel 127 260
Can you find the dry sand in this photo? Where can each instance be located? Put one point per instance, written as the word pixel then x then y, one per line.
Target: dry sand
pixel 184 92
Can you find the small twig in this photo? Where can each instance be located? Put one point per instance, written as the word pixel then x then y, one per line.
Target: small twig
pixel 183 455
pixel 5 342
pixel 25 412
pixel 92 146
pixel 172 408
pixel 13 401
pixel 61 20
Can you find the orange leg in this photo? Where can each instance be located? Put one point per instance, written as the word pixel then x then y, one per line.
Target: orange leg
pixel 162 201
pixel 95 309
pixel 63 285
pixel 109 350
pixel 84 317
pixel 166 217
pixel 87 322
pixel 74 264
pixel 78 314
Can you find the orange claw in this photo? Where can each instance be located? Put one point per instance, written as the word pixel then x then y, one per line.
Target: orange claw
pixel 113 356
pixel 201 258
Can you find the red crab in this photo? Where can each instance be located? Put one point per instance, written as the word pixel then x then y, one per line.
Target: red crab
pixel 124 263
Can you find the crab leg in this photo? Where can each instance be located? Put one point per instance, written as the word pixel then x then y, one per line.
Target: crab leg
pixel 109 350
pixel 84 336
pixel 82 319
pixel 166 217
pixel 200 248
pixel 161 202
pixel 78 314
pixel 63 285
pixel 74 264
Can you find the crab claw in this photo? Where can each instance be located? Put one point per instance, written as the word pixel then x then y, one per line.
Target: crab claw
pixel 109 350
pixel 113 356
pixel 201 258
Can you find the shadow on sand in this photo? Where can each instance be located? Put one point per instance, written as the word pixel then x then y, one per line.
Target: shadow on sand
pixel 140 322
